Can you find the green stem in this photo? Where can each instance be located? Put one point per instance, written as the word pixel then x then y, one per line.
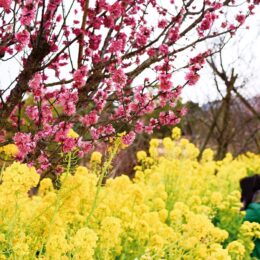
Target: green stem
pixel 99 184
pixel 57 204
pixel 2 170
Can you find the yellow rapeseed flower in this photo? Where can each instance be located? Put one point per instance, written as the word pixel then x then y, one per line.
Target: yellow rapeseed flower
pixel 96 157
pixel 236 250
pixel 176 133
pixel 72 134
pixel 168 210
pixel 11 150
pixel 141 155
pixel 154 142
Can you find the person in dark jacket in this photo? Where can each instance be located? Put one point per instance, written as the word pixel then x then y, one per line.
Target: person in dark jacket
pixel 250 196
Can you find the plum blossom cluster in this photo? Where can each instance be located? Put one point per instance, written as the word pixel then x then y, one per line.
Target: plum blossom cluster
pixel 25 144
pixel 79 77
pixel 101 67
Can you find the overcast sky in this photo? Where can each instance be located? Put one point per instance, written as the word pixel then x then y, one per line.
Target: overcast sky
pixel 241 53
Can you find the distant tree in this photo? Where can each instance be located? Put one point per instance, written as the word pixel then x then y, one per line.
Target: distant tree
pixel 229 124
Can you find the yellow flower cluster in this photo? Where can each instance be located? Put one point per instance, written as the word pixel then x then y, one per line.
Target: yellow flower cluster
pixel 175 208
pixel 10 150
pixel 72 134
pixel 96 157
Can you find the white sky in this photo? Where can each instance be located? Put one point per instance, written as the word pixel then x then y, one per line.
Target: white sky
pixel 242 53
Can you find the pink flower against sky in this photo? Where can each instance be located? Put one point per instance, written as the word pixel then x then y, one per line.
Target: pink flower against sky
pixel 5 4
pixel 28 14
pixel 23 37
pixel 119 77
pixel 192 77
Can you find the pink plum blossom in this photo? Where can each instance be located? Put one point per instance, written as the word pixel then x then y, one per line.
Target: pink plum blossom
pixel 128 138
pixel 5 4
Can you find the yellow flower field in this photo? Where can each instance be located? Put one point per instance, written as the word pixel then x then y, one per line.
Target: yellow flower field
pixel 174 208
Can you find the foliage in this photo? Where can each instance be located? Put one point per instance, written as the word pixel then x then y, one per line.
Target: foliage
pixel 175 207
